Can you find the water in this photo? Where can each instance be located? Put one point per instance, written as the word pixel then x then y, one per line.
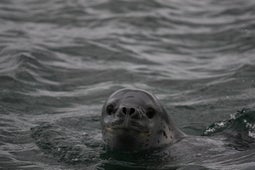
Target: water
pixel 60 59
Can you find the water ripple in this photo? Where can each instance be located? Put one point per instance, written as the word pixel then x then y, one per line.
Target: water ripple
pixel 60 59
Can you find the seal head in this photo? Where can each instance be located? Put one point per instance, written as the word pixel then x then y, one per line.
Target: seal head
pixel 134 119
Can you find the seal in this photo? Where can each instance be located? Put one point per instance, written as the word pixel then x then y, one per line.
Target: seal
pixel 134 120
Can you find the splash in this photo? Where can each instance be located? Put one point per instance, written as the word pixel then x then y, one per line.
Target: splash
pixel 242 121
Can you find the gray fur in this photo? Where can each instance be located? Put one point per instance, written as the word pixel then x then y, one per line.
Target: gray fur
pixel 134 119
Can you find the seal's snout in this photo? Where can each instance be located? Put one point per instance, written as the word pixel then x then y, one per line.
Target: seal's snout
pixel 129 111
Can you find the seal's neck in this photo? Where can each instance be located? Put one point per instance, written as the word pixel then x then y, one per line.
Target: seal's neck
pixel 169 134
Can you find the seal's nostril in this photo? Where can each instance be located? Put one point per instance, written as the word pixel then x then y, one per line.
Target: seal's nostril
pixel 132 111
pixel 128 111
pixel 124 110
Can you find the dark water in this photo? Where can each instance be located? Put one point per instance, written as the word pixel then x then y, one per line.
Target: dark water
pixel 60 59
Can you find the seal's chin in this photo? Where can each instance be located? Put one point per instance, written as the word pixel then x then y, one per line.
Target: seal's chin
pixel 125 138
pixel 132 128
pixel 117 130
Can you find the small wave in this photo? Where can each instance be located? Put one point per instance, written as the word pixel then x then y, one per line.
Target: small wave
pixel 26 65
pixel 243 120
pixel 239 129
pixel 64 144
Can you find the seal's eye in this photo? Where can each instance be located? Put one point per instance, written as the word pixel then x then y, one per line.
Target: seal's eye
pixel 110 109
pixel 150 113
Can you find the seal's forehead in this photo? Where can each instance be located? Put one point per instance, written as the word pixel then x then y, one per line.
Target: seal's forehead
pixel 133 95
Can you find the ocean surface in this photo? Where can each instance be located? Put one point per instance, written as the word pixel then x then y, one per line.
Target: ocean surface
pixel 61 59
